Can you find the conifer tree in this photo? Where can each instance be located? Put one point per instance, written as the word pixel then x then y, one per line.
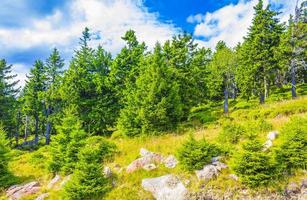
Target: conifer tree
pixel 257 64
pixel 33 91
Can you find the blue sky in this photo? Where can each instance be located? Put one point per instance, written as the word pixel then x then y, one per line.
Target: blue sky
pixel 29 29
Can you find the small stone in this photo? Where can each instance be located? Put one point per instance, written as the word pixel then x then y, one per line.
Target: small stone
pixel 219 165
pixel 304 183
pixel 207 173
pixel 293 188
pixel 107 172
pixel 234 177
pixel 170 161
pixel 150 167
pixel 215 159
pixel 272 135
pixel 42 196
pixel 53 181
pixel 144 152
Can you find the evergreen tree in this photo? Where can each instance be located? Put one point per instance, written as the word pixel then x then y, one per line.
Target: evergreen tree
pixel 258 64
pixel 222 69
pixel 5 175
pixel 33 91
pixel 53 72
pixel 154 105
pixel 8 92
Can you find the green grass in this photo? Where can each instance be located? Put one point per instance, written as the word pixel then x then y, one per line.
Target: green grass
pixel 256 119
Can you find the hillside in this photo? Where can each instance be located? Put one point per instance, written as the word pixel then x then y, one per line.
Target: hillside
pixel 29 166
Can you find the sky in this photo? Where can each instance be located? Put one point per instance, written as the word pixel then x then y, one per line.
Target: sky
pixel 30 29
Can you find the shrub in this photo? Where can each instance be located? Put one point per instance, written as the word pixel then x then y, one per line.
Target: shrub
pixel 253 166
pixel 88 181
pixel 193 154
pixel 66 144
pixel 292 153
pixel 231 133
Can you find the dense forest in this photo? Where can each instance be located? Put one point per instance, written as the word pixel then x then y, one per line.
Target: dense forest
pixel 72 112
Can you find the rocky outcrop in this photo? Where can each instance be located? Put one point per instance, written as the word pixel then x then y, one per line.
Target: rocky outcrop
pixel 42 196
pixel 210 171
pixel 19 191
pixel 167 187
pixel 150 160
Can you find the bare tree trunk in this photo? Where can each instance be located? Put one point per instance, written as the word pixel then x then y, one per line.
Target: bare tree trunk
pixel 293 80
pixel 226 100
pixel 26 129
pixel 261 99
pixel 48 126
pixel 17 129
pixel 36 128
pixel 266 88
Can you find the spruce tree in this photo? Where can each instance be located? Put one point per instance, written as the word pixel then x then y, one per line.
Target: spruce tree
pixel 258 64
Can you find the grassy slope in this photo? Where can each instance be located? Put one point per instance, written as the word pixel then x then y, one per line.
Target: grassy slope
pixel 30 166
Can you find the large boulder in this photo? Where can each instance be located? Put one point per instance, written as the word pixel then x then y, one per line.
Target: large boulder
pixel 146 159
pixel 19 191
pixel 53 181
pixel 207 173
pixel 167 187
pixel 170 161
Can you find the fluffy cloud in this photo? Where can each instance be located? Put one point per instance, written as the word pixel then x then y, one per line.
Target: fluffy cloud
pixel 110 19
pixel 230 23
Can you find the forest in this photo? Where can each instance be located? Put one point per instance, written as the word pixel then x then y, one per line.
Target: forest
pixel 77 119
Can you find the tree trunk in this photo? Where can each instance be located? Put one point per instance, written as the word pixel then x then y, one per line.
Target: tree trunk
pixel 226 101
pixel 48 126
pixel 261 97
pixel 26 129
pixel 17 129
pixel 266 88
pixel 293 81
pixel 36 129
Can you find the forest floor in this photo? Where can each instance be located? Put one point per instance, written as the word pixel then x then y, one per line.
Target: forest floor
pixel 31 165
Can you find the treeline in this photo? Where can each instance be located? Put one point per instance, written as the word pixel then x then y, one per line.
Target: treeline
pixel 148 92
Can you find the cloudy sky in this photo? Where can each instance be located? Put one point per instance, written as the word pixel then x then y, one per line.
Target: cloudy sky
pixel 29 29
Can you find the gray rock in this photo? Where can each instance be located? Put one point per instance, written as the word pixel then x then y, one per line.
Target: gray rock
pixel 304 183
pixel 53 181
pixel 42 196
pixel 167 187
pixel 170 161
pixel 107 172
pixel 207 173
pixel 234 177
pixel 219 165
pixel 149 167
pixel 293 189
pixel 215 159
pixel 144 152
pixel 272 135
pixel 19 191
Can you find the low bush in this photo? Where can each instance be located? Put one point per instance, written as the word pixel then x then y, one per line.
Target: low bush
pixel 88 181
pixel 254 167
pixel 292 153
pixel 231 133
pixel 193 154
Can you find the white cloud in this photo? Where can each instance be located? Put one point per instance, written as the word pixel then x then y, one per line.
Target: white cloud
pixel 230 23
pixel 111 18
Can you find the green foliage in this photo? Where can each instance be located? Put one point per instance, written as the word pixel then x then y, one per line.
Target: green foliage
pixel 88 181
pixel 154 105
pixel 292 153
pixel 254 166
pixel 67 143
pixel 194 155
pixel 231 133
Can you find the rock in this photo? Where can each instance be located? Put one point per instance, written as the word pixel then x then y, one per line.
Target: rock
pixel 42 196
pixel 234 177
pixel 215 159
pixel 268 144
pixel 167 187
pixel 149 167
pixel 170 161
pixel 148 158
pixel 303 195
pixel 107 172
pixel 272 135
pixel 207 173
pixel 19 191
pixel 65 180
pixel 53 181
pixel 292 189
pixel 304 183
pixel 219 165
